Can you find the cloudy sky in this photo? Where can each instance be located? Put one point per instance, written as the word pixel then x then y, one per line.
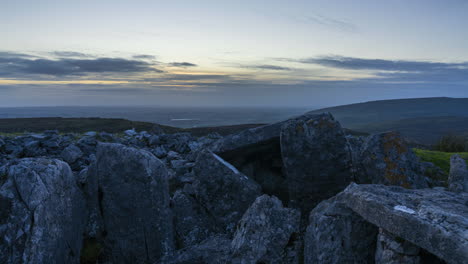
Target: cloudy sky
pixel 233 53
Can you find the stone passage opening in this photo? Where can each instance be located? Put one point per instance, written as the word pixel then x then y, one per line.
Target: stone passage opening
pixel 262 162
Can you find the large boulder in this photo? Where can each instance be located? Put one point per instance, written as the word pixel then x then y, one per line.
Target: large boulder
pixel 336 234
pixel 386 159
pixel 134 203
pixel 264 232
pixel 432 219
pixel 316 158
pixel 458 177
pixel 42 213
pixel 222 190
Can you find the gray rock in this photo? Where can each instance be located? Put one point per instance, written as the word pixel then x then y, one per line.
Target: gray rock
pixel 393 250
pixel 33 149
pixel 316 158
pixel 71 154
pixel 386 159
pixel 246 138
pixel 11 147
pixel 432 219
pixel 224 191
pixel 154 140
pixel 336 234
pixel 160 152
pixel 130 132
pixel 90 134
pixel 264 231
pixel 51 143
pixel 134 201
pixel 173 155
pixel 178 164
pixel 87 144
pixel 458 177
pixel 42 215
pixel 214 250
pixel 192 223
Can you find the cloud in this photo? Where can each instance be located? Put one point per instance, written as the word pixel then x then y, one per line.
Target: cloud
pixel 341 25
pixel 267 67
pixel 69 54
pixel 380 64
pixel 19 65
pixel 144 57
pixel 182 64
pixel 397 70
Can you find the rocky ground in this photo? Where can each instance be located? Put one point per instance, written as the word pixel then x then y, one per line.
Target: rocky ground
pixel 298 191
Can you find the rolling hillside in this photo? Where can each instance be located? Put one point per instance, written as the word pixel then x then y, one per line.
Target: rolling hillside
pixel 422 120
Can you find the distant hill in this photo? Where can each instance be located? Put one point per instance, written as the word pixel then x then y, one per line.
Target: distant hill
pixel 110 125
pixel 422 120
pixel 424 130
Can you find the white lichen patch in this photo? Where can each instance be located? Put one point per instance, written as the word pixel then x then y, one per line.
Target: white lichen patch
pixel 403 208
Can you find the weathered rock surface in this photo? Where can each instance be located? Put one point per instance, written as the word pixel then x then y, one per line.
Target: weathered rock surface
pixel 394 250
pixel 336 234
pixel 192 223
pixel 71 154
pixel 432 219
pixel 134 203
pixel 316 158
pixel 264 231
pixel 458 177
pixel 386 159
pixel 224 192
pixel 42 213
pixel 214 250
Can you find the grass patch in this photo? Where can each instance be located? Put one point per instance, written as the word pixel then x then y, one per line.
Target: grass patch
pixel 440 159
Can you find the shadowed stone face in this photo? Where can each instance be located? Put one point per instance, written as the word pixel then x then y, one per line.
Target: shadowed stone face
pixel 316 158
pixel 134 203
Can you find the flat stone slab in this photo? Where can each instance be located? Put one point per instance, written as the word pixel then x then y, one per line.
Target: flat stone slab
pixel 247 138
pixel 433 219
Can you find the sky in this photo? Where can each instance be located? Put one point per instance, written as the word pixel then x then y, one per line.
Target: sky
pixel 304 53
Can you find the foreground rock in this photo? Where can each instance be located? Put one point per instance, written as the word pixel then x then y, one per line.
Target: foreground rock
pixel 134 202
pixel 386 159
pixel 432 219
pixel 264 232
pixel 458 177
pixel 223 191
pixel 42 215
pixel 336 234
pixel 316 158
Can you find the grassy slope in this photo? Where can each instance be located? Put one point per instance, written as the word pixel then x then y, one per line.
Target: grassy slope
pixel 440 159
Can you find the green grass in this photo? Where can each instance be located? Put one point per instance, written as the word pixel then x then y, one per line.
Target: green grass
pixel 440 159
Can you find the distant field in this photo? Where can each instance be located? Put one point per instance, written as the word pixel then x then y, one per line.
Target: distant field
pixel 110 125
pixel 440 159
